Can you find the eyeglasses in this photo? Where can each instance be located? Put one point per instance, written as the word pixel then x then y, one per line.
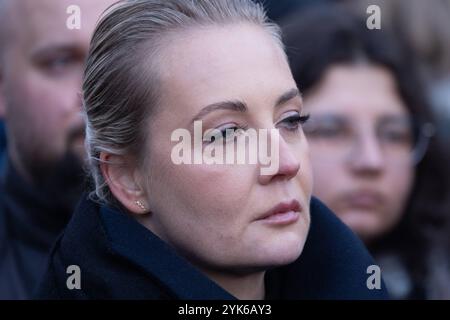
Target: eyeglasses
pixel 399 139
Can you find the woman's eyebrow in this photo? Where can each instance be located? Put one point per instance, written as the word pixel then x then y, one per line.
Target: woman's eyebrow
pixel 240 106
pixel 224 105
pixel 53 49
pixel 285 97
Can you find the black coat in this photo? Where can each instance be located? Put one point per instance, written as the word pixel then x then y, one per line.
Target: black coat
pixel 121 259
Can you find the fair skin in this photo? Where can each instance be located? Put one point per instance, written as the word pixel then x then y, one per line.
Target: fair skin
pixel 40 81
pixel 211 214
pixel 365 183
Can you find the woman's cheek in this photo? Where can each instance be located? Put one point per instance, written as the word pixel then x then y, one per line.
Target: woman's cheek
pixel 306 172
pixel 216 186
pixel 226 185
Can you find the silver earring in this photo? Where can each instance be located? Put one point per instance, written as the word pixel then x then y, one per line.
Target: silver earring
pixel 140 205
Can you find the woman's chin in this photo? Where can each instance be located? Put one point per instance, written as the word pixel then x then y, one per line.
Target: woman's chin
pixel 285 251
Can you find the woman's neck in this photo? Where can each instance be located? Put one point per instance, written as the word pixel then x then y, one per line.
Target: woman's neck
pixel 243 287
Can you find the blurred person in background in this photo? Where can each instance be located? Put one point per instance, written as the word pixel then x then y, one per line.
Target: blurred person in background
pixel 425 27
pixel 377 161
pixel 41 66
pixel 2 141
pixel 2 135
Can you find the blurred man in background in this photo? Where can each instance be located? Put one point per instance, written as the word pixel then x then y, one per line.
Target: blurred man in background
pixel 41 67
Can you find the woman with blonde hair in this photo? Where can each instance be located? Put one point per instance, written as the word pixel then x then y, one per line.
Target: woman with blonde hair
pixel 156 229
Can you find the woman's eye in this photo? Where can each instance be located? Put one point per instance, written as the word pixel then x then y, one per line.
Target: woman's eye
pixel 224 134
pixel 59 64
pixel 398 136
pixel 293 123
pixel 230 132
pixel 327 132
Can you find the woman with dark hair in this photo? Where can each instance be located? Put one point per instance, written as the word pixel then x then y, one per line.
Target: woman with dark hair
pixel 377 161
pixel 155 227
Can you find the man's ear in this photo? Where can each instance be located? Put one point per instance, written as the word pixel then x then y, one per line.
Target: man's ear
pixel 124 182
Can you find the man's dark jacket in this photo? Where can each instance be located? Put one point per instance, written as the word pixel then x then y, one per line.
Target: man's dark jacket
pixel 30 222
pixel 120 259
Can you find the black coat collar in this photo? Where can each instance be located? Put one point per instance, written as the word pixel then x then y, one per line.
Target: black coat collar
pixel 120 259
pixel 141 247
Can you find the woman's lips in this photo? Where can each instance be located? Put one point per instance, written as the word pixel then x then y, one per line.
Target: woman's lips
pixel 283 213
pixel 363 199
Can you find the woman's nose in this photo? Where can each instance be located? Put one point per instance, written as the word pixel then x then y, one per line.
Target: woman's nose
pixel 287 163
pixel 367 155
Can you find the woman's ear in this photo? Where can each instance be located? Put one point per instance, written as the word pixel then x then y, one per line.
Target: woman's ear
pixel 124 182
